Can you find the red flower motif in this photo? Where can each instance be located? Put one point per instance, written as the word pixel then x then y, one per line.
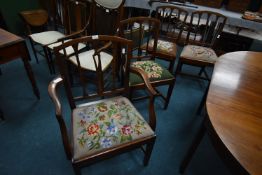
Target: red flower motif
pixel 127 130
pixel 93 129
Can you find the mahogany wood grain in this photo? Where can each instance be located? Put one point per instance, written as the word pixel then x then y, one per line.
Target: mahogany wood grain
pixel 234 106
pixel 14 47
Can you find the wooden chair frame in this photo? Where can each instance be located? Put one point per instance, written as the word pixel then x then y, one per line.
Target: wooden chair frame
pixel 172 20
pixel 150 54
pixel 65 80
pixel 209 32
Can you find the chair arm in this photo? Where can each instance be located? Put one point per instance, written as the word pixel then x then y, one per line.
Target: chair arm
pixel 71 36
pixel 153 93
pixel 75 34
pixel 145 78
pixel 52 90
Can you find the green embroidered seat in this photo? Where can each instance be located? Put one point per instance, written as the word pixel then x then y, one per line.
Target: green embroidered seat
pixel 106 124
pixel 154 71
pixel 144 32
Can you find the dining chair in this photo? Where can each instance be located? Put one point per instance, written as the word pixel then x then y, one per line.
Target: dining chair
pixel 103 19
pixel 103 124
pixel 202 34
pixel 55 10
pixel 144 31
pixel 172 22
pixel 37 20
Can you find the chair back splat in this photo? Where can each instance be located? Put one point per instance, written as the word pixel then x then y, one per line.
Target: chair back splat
pixel 105 16
pixel 173 22
pixel 104 123
pixel 143 31
pixel 109 83
pixel 205 27
pixel 76 15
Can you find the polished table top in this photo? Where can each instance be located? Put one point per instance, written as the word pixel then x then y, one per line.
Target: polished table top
pixel 234 106
pixel 7 38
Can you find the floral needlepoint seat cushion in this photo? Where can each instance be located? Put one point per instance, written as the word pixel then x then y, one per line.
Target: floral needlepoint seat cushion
pixel 106 124
pixel 199 53
pixel 154 71
pixel 165 47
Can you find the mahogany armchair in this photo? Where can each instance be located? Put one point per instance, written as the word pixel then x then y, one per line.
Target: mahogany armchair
pixel 107 127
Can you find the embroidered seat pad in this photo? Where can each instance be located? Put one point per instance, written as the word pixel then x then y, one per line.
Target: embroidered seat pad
pixel 105 124
pixel 165 47
pixel 199 53
pixel 154 71
pixel 47 37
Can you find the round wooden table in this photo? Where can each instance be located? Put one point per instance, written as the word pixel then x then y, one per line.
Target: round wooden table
pixel 234 106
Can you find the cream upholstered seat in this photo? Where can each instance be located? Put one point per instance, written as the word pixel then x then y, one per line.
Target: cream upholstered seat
pixel 106 124
pixel 200 53
pixel 48 37
pixel 69 50
pixel 87 61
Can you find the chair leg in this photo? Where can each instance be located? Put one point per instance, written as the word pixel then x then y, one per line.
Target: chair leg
pixel 178 68
pixel 203 100
pixel 33 48
pixel 77 170
pixel 169 93
pixel 51 60
pixel 171 66
pixel 149 149
pixel 192 149
pixel 48 60
pixel 201 71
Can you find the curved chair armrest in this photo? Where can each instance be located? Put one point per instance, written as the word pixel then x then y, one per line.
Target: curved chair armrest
pixel 71 36
pixel 153 93
pixel 145 78
pixel 52 90
pixel 75 34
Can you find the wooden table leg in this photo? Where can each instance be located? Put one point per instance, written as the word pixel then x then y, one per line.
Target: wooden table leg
pixel 25 56
pixel 193 147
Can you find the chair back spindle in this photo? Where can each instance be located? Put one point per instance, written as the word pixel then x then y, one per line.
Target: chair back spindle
pixel 98 46
pixel 205 27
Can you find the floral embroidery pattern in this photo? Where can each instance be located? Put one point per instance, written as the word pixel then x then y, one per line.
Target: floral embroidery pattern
pixel 201 51
pixel 108 123
pixel 152 69
pixel 162 45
